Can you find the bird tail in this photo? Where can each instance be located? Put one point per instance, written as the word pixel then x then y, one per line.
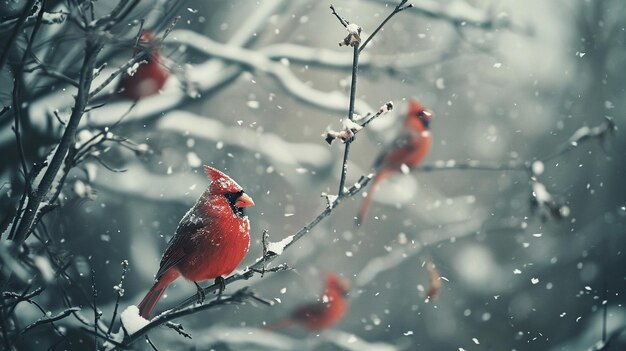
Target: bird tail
pixel 149 302
pixel 279 324
pixel 360 218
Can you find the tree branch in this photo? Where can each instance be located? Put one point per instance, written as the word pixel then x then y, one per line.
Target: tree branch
pixel 25 224
pixel 16 30
pixel 53 319
pixel 399 8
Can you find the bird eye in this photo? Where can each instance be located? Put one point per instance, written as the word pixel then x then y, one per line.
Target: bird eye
pixel 232 197
pixel 425 115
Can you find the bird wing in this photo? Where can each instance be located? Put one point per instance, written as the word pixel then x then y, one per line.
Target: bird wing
pixel 393 155
pixel 175 251
pixel 309 312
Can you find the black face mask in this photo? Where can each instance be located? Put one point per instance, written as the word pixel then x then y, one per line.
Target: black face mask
pixel 232 198
pixel 424 120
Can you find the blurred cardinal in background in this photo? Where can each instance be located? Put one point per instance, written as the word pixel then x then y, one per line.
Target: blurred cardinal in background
pixel 149 77
pixel 210 241
pixel 407 150
pixel 321 314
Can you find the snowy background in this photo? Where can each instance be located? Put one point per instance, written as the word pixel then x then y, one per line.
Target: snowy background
pixel 509 82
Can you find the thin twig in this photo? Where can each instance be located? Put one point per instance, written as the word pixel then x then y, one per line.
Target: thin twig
pixel 154 348
pixel 343 21
pixel 3 324
pixel 351 129
pixel 58 317
pixel 238 297
pixel 120 292
pixel 177 327
pixel 95 307
pixel 398 9
pixel 344 165
pixel 582 135
pixel 18 28
pixel 17 106
pixel 25 224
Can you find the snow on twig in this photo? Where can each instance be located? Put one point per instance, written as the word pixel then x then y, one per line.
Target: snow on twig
pixel 351 127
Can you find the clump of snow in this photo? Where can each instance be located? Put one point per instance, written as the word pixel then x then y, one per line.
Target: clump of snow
pixel 142 148
pixel 130 71
pixel 537 167
pixel 386 108
pixel 193 160
pixel 91 170
pixel 353 28
pixel 53 18
pixel 45 268
pixel 354 35
pixel 541 193
pixel 117 337
pixel 132 321
pixel 405 169
pixel 279 247
pixel 330 199
pixel 83 136
pixel 351 125
pixel 83 191
pixel 440 83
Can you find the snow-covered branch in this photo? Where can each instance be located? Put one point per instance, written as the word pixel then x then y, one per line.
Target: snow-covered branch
pixel 136 327
pixel 352 126
pixel 257 61
pixel 263 340
pixel 461 13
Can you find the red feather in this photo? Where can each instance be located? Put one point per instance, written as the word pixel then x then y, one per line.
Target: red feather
pixel 409 148
pixel 149 78
pixel 322 314
pixel 210 241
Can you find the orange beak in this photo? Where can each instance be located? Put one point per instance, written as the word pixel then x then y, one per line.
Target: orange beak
pixel 244 201
pixel 428 113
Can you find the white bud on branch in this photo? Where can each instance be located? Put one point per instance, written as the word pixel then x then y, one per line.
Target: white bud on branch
pixel 354 35
pixel 351 127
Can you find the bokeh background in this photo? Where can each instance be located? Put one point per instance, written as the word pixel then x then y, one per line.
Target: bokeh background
pixel 255 84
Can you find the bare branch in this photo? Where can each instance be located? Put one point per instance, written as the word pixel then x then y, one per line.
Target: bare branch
pixel 399 8
pixel 32 208
pixel 28 7
pixel 351 128
pixel 46 320
pixel 343 21
pixel 240 296
pixel 119 289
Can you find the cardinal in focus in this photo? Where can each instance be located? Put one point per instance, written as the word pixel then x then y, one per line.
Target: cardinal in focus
pixel 408 149
pixel 210 241
pixel 322 314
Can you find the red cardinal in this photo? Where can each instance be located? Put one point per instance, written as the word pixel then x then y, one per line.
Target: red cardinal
pixel 409 148
pixel 210 241
pixel 322 314
pixel 150 76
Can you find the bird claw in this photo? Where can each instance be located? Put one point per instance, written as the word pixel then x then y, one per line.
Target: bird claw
pixel 200 293
pixel 221 285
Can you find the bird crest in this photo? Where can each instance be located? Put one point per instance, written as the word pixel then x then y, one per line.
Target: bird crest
pixel 220 182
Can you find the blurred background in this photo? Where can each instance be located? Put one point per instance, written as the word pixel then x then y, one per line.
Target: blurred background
pixel 254 85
